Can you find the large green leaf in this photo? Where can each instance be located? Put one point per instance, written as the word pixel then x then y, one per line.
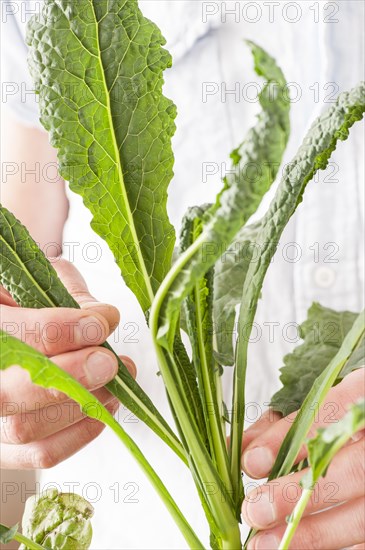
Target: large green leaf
pixel 48 375
pixel 268 142
pixel 243 190
pixel 33 282
pixel 98 68
pixel 313 155
pixel 323 333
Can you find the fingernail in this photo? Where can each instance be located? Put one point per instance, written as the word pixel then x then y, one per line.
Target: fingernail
pixel 259 511
pixel 109 312
pixel 257 462
pixel 264 542
pixel 90 330
pixel 100 368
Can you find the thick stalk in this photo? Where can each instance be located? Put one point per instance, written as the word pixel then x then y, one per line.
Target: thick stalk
pixel 218 499
pixel 216 495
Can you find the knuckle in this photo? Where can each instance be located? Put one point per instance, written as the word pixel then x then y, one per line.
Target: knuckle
pixel 7 405
pixel 17 430
pixel 92 429
pixel 52 337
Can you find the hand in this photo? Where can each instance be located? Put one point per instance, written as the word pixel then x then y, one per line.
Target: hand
pixel 41 428
pixel 339 497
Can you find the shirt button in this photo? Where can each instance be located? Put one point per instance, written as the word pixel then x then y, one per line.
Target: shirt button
pixel 324 277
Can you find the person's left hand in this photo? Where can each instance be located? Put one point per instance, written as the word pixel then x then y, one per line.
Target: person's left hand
pixel 339 497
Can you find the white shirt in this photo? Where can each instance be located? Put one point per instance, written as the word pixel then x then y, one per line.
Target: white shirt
pixel 320 257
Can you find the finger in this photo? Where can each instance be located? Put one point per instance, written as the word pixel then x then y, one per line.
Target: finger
pixel 55 330
pixel 54 449
pixel 271 503
pixel 77 287
pixel 6 298
pixel 130 364
pixel 259 456
pixel 339 527
pixel 92 367
pixel 24 428
pixel 266 421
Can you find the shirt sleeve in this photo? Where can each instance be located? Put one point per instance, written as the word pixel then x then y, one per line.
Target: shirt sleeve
pixel 18 95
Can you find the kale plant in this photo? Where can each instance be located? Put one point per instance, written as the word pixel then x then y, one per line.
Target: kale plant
pixel 98 69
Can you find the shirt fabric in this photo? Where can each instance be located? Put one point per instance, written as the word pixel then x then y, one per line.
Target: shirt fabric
pixel 319 257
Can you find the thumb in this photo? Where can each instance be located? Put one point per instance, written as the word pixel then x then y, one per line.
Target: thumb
pixel 77 287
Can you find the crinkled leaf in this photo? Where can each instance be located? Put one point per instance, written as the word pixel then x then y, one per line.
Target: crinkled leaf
pixel 323 383
pixel 241 195
pixel 328 441
pixel 267 146
pixel 33 282
pixel 313 155
pixel 98 68
pixel 323 333
pixel 60 521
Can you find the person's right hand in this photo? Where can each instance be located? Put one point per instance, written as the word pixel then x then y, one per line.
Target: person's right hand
pixel 40 428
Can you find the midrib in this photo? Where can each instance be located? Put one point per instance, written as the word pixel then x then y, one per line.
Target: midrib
pixel 130 218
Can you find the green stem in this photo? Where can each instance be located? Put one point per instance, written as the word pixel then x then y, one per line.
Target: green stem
pixel 295 518
pixel 122 389
pixel 157 483
pixel 30 544
pixel 233 541
pixel 238 408
pixel 215 492
pixel 219 397
pixel 219 448
pixel 217 499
